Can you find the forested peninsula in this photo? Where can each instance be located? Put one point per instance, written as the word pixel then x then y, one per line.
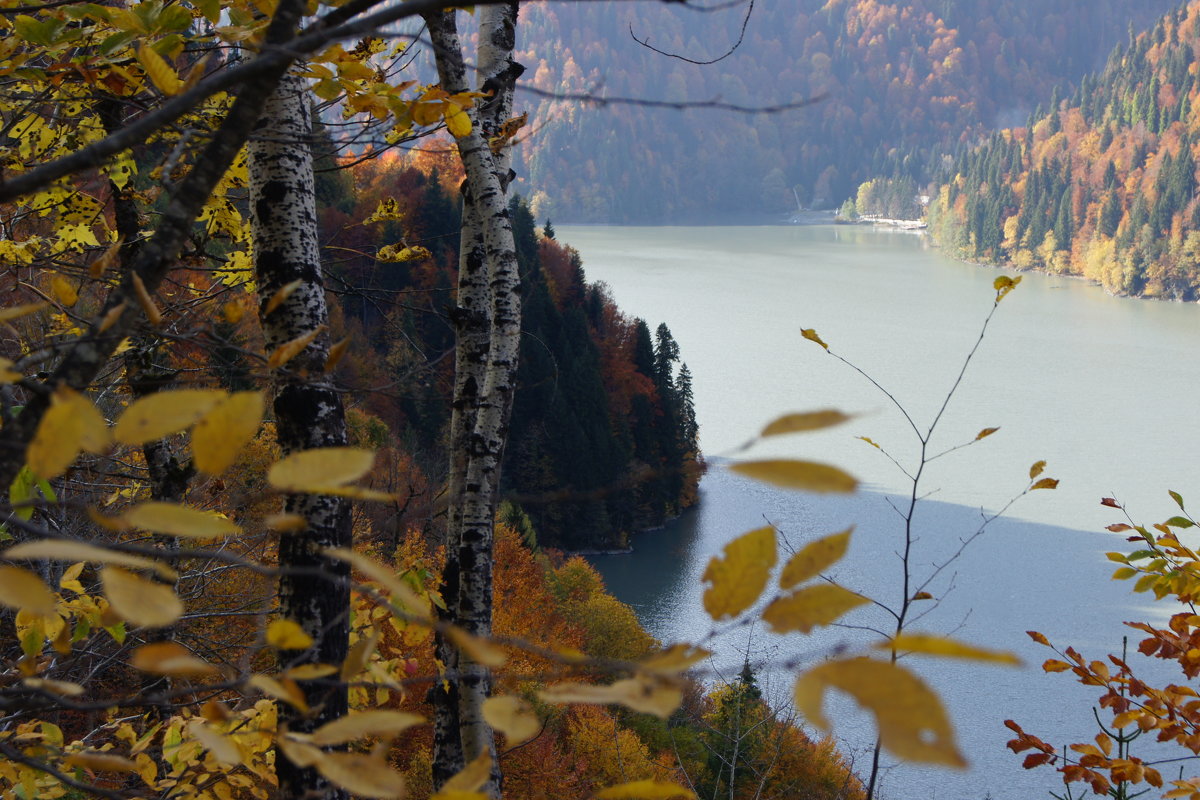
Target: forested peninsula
pixel 591 380
pixel 1101 183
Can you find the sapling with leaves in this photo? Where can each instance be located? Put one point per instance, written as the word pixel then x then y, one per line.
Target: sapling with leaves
pixel 801 608
pixel 1162 564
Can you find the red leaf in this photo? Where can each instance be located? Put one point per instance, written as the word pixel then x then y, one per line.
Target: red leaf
pixel 1036 760
pixel 1110 502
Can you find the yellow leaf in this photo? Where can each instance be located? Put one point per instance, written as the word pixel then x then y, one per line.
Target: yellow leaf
pixel 811 335
pixel 110 317
pixel 285 522
pixel 481 651
pixel 22 589
pixel 392 253
pixel 739 577
pixel 807 421
pixel 72 550
pixel 387 209
pixel 64 688
pixel 1054 665
pixel 285 690
pixel 513 717
pixel 97 761
pixel 458 122
pixel 290 349
pixel 386 577
pixel 7 373
pixel 71 424
pixel 139 601
pixel 1045 483
pixel 912 723
pixel 364 775
pixel 675 659
pixel 428 109
pixel 360 653
pixel 142 294
pixel 644 790
pixel 1036 469
pixel 164 413
pixel 159 71
pixel 233 312
pixel 285 634
pixel 336 352
pixel 641 693
pixel 222 433
pixel 363 724
pixel 284 293
pixel 223 748
pixel 1003 285
pixel 171 659
pixel 472 777
pixel 299 751
pixel 311 672
pixel 986 432
pixel 175 520
pixel 15 312
pixel 811 606
pixel 64 291
pixel 927 644
pixel 314 470
pixel 806 475
pixel 814 558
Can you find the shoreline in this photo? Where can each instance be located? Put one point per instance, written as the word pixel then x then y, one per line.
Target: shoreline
pixel 1034 270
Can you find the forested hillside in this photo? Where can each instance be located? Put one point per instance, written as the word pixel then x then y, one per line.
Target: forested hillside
pixel 901 80
pixel 1103 183
pixel 592 382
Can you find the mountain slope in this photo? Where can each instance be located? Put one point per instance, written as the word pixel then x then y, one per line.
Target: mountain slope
pixel 1103 184
pixel 900 79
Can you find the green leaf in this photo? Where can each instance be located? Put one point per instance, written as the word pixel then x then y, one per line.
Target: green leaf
pixel 1178 498
pixel 1180 522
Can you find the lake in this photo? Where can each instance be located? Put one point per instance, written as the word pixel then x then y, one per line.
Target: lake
pixel 1102 388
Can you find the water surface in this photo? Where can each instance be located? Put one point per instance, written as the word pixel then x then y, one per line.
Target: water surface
pixel 1100 387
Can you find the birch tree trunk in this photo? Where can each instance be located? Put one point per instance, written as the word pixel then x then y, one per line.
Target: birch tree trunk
pixel 488 323
pixel 313 590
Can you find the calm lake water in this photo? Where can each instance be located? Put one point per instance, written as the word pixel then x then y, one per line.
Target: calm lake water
pixel 1102 388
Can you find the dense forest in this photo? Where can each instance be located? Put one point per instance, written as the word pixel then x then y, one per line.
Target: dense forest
pixel 900 81
pixel 1101 183
pixel 591 380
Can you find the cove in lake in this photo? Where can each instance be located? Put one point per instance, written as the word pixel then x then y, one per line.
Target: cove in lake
pixel 1100 387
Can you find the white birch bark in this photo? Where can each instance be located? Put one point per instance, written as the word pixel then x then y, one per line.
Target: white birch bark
pixel 313 591
pixel 480 435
